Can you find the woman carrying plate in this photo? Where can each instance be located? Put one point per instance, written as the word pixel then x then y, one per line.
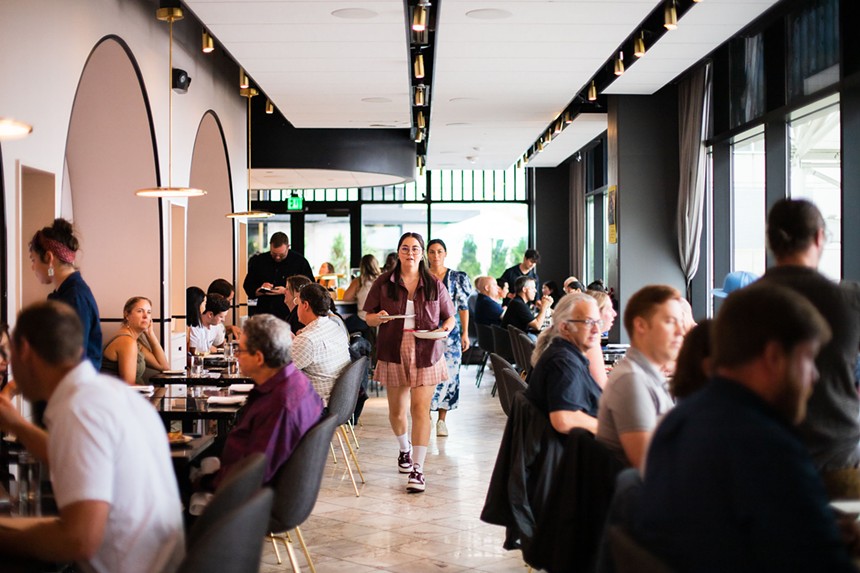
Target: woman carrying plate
pixel 447 394
pixel 410 367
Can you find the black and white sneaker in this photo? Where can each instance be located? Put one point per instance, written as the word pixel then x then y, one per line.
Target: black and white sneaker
pixel 404 462
pixel 415 483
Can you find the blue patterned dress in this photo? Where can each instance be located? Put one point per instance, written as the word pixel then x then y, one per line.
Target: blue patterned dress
pixel 447 394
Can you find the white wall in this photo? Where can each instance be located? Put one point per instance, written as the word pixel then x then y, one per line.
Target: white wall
pixel 44 46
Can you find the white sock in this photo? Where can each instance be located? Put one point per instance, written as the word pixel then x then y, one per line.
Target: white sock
pixel 403 441
pixel 418 455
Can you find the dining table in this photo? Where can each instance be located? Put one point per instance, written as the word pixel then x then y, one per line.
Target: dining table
pixel 211 378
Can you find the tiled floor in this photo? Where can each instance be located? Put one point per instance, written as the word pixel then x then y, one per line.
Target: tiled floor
pixel 387 529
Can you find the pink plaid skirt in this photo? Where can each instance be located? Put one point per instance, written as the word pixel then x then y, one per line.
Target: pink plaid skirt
pixel 407 373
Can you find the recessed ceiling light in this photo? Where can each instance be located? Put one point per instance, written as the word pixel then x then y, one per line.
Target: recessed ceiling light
pixel 376 100
pixel 488 14
pixel 463 99
pixel 354 13
pixel 457 124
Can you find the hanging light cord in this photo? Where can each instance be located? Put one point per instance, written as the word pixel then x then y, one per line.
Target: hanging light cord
pixel 249 152
pixel 170 108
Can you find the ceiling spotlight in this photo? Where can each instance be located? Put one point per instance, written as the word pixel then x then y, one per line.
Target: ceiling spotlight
pixel 270 108
pixel 418 67
pixel 556 129
pixel 419 122
pixel 639 45
pixel 419 18
pixel 592 92
pixel 670 16
pixel 525 158
pixel 13 129
pixel 567 118
pixel 540 144
pixel 243 79
pixel 419 135
pixel 208 43
pixel 420 96
pixel 619 64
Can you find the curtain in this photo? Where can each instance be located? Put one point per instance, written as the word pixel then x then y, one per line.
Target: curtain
pixel 577 217
pixel 693 106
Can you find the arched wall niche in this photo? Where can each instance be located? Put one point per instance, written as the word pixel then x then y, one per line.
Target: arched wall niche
pixel 4 268
pixel 210 238
pixel 111 152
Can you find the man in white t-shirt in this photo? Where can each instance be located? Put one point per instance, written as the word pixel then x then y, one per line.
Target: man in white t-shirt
pixel 203 338
pixel 110 462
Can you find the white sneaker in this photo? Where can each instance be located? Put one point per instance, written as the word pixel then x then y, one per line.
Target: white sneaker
pixel 441 428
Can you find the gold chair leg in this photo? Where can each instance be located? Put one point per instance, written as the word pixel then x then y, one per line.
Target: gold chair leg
pixel 346 463
pixel 275 547
pixel 333 455
pixel 305 549
pixel 352 431
pixel 294 563
pixel 352 453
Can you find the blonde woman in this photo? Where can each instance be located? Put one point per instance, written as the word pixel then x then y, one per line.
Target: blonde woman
pixel 125 356
pixel 595 355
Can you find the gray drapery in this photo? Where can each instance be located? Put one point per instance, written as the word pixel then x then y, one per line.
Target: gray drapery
pixel 693 104
pixel 577 218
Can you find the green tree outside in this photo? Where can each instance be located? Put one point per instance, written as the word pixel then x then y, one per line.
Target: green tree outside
pixel 469 259
pixel 338 255
pixel 498 258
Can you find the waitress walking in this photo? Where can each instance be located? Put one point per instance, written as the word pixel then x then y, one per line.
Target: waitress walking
pixel 410 367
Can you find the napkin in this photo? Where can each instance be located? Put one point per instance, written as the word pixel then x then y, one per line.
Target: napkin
pixel 225 400
pixel 241 388
pixel 144 389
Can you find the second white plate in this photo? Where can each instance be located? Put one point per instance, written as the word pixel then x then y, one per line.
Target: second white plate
pixel 430 334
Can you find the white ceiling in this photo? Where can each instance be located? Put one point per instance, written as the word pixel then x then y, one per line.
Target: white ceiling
pixel 504 69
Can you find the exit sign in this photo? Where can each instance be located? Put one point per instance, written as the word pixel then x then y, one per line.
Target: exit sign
pixel 295 203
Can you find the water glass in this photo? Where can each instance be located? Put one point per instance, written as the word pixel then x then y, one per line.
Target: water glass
pixel 233 367
pixel 29 485
pixel 228 351
pixel 196 366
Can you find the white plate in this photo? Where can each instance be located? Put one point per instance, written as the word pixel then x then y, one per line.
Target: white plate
pixel 393 316
pixel 226 400
pixel 173 372
pixel 144 389
pixel 241 388
pixel 430 334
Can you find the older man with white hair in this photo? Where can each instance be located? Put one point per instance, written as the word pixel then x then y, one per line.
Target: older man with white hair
pixel 561 384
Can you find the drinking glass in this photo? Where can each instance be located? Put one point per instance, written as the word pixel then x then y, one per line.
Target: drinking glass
pixel 232 367
pixel 196 366
pixel 29 485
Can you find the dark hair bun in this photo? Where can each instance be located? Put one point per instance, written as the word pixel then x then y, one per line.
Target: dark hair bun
pixel 61 230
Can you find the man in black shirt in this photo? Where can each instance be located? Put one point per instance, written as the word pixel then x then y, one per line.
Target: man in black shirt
pixel 268 273
pixel 518 313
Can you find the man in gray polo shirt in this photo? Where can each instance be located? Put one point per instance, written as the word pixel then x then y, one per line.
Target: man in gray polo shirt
pixel 636 395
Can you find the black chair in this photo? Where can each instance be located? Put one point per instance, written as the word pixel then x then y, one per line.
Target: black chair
pixel 513 332
pixel 297 485
pixel 527 348
pixel 232 544
pixel 513 381
pixel 341 404
pixel 502 344
pixel 244 480
pixel 499 365
pixel 485 341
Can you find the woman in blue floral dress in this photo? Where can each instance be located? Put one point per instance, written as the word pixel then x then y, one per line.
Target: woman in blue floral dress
pixel 447 394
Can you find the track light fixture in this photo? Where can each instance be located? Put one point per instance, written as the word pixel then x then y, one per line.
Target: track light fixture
pixel 556 129
pixel 270 107
pixel 208 45
pixel 13 129
pixel 169 15
pixel 639 45
pixel 419 121
pixel 567 118
pixel 670 16
pixel 619 64
pixel 244 82
pixel 419 18
pixel 419 135
pixel 418 67
pixel 420 98
pixel 592 92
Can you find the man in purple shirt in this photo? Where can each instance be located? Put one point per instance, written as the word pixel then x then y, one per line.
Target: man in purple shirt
pixel 283 405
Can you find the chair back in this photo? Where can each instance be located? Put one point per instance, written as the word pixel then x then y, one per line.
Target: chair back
pixel 499 365
pixel 513 381
pixel 233 544
pixel 513 335
pixel 244 480
pixel 527 348
pixel 344 394
pixel 485 337
pixel 502 344
pixel 297 483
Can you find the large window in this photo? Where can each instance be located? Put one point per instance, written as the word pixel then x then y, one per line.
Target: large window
pixel 816 172
pixel 383 224
pixel 748 203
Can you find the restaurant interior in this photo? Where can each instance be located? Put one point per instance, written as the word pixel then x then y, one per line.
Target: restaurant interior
pixel 632 141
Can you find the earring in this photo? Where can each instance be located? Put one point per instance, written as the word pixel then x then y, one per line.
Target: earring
pixel 50 271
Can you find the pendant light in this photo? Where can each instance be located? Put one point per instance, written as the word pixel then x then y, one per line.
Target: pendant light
pixel 169 15
pixel 670 16
pixel 13 129
pixel 249 93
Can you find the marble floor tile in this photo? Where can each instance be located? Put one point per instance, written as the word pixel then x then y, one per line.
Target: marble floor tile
pixel 386 529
